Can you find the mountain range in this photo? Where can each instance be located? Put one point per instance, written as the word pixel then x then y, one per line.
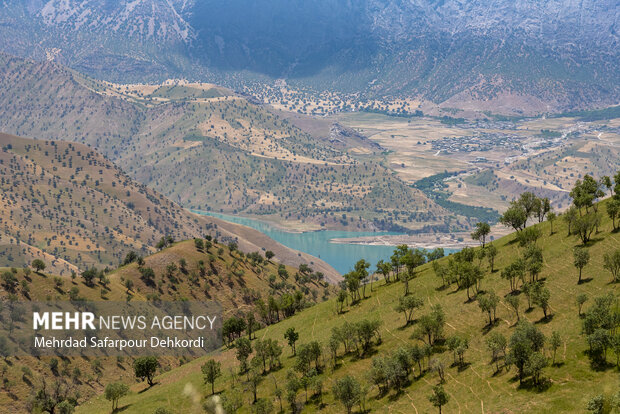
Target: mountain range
pixel 543 56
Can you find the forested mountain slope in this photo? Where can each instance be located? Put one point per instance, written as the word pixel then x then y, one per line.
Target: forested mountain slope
pixel 208 149
pixel 465 336
pixel 66 200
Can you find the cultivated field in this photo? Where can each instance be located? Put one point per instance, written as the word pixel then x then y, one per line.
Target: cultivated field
pixel 495 160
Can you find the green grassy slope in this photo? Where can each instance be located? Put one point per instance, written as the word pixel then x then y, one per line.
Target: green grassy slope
pixel 474 389
pixel 230 276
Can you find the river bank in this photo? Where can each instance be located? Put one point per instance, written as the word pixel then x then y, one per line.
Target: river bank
pixel 429 241
pixel 341 256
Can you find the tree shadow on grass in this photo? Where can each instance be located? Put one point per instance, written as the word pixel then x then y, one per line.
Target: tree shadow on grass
pixel 463 367
pixel 543 385
pixel 149 282
pixel 597 363
pixel 545 319
pixel 316 400
pixel 241 281
pixel 585 280
pixel 498 372
pixel 470 300
pixel 487 328
pixel 395 396
pixel 147 388
pixel 591 242
pixel 121 409
pixel 439 345
pixel 407 325
pixel 513 241
pixel 460 367
pixel 381 393
pixel 367 354
pixel 275 368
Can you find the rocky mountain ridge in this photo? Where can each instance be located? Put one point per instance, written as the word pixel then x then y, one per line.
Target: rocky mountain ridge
pixel 560 54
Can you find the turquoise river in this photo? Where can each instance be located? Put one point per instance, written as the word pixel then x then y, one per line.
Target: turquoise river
pixel 340 256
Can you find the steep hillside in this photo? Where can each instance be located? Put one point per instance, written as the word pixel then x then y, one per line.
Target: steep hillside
pixel 571 374
pixel 68 201
pixel 233 279
pixel 227 275
pixel 207 152
pixel 217 271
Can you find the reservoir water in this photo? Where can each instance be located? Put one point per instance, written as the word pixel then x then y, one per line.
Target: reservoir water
pixel 341 257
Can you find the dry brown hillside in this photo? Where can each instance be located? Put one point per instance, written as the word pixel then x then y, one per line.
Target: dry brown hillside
pixel 212 150
pixel 68 201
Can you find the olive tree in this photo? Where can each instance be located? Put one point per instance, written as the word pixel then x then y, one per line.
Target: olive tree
pixel 145 368
pixel 581 257
pixel 114 392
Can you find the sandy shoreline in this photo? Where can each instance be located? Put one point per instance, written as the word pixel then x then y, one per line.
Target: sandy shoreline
pixel 456 240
